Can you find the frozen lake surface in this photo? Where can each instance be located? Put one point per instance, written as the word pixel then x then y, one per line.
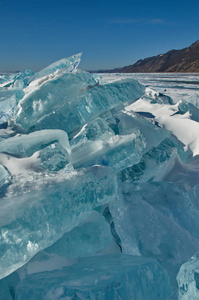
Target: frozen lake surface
pixel 179 86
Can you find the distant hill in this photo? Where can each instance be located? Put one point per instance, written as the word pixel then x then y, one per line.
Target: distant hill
pixel 183 61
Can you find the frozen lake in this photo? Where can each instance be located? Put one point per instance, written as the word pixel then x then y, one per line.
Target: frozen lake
pixel 176 85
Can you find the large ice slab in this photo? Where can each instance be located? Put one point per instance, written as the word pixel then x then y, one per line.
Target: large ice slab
pixel 38 209
pixel 101 277
pixel 169 230
pixel 4 290
pixel 89 237
pixel 45 97
pixel 72 101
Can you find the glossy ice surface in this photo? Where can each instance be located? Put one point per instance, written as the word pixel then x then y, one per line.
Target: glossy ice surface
pixel 99 185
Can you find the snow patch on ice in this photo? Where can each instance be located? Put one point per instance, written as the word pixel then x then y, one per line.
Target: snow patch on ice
pixel 185 129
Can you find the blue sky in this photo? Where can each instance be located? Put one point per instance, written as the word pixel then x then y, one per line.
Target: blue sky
pixel 111 33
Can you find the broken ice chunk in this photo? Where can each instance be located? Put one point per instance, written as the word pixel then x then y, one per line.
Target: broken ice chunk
pixel 87 238
pixel 169 230
pixel 106 277
pixel 54 158
pixel 38 209
pixel 43 99
pixel 90 236
pixel 154 164
pixel 30 143
pixel 5 290
pixel 118 152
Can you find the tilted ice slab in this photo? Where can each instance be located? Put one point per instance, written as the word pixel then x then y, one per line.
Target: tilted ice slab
pixel 30 143
pixel 169 230
pixel 165 162
pixel 157 97
pixel 95 130
pixel 72 101
pixel 117 151
pixel 154 164
pixel 68 64
pixel 188 279
pixel 44 97
pixel 33 81
pixel 36 210
pixel 54 158
pixel 184 174
pixel 89 139
pixel 89 237
pixel 129 123
pixel 185 107
pixel 119 142
pixel 106 277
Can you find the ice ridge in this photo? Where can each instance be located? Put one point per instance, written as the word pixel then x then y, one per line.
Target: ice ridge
pixel 99 179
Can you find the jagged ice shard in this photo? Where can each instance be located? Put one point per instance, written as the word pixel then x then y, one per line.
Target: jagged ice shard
pixel 99 186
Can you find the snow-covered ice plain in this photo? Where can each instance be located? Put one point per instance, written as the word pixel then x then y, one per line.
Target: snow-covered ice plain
pixel 99 178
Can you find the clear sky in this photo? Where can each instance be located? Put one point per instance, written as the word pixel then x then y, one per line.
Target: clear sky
pixel 110 33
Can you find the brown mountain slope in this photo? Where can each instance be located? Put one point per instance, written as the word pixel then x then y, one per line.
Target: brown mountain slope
pixel 182 61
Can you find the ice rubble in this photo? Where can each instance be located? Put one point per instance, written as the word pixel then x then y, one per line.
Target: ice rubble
pixel 99 187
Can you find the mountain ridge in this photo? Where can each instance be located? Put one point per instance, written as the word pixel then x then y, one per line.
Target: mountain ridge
pixel 185 60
